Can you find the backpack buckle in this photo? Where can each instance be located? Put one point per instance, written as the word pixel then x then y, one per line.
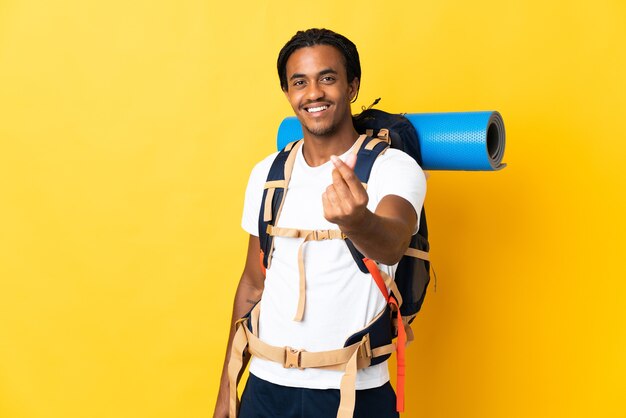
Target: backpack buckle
pixel 293 358
pixel 383 134
pixel 322 234
pixel 365 350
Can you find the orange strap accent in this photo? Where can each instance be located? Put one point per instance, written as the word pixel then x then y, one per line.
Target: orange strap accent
pixel 400 346
pixel 262 266
pixel 373 269
pixel 400 359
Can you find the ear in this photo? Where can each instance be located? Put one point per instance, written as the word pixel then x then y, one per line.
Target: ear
pixel 353 88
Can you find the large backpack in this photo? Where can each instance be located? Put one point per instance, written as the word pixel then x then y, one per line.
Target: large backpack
pixel 413 271
pixel 373 344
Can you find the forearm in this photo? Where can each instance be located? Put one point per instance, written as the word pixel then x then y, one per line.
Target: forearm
pixel 245 298
pixel 248 293
pixel 380 238
pixel 383 235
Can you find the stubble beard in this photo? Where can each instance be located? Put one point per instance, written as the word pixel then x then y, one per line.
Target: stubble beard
pixel 325 130
pixel 322 131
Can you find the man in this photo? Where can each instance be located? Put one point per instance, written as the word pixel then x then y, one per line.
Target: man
pixel 320 75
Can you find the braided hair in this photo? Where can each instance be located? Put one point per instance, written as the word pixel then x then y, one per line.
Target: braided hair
pixel 312 37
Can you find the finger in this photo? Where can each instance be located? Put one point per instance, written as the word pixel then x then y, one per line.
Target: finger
pixel 325 203
pixel 332 197
pixel 340 186
pixel 329 199
pixel 329 209
pixel 351 161
pixel 348 175
pixel 346 171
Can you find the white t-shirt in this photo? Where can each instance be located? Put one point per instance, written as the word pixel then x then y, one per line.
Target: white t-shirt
pixel 340 299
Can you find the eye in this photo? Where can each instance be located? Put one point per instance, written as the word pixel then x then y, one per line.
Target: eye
pixel 298 83
pixel 328 79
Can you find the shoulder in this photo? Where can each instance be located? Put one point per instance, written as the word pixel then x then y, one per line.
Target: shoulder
pixel 254 194
pixel 393 154
pixel 261 168
pixel 258 176
pixel 396 160
pixel 396 172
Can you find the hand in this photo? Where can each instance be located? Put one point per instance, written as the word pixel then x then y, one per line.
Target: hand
pixel 345 200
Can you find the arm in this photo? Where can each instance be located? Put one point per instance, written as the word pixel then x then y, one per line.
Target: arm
pixel 383 235
pixel 248 293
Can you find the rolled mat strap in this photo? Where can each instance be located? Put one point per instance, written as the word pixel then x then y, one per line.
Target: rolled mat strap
pixel 472 141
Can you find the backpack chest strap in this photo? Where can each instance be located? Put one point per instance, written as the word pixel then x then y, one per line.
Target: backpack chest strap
pixel 307 235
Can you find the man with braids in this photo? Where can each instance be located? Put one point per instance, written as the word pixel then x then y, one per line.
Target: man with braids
pixel 320 75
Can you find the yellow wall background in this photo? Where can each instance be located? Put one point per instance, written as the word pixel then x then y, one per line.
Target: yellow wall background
pixel 127 132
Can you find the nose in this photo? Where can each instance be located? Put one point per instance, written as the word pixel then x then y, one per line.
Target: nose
pixel 314 91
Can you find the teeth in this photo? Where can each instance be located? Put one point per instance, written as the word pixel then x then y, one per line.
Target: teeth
pixel 316 109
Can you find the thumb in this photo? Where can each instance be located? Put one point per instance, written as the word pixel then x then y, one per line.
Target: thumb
pixel 351 161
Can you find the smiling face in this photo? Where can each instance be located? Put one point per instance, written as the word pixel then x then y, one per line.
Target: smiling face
pixel 318 90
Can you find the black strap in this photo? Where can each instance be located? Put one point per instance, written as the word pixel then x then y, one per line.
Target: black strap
pixel 364 162
pixel 277 172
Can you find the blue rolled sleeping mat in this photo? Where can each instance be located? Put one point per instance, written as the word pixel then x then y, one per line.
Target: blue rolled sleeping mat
pixel 471 141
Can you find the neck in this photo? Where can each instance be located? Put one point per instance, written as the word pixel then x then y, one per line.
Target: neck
pixel 318 149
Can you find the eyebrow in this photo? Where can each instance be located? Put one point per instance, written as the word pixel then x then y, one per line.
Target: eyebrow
pixel 323 72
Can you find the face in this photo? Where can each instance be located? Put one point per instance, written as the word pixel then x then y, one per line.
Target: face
pixel 318 89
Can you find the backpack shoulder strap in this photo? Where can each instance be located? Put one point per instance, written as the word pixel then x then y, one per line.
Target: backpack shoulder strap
pixel 273 197
pixel 369 149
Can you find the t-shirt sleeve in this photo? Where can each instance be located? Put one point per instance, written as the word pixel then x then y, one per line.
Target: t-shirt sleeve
pixel 396 173
pixel 254 195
